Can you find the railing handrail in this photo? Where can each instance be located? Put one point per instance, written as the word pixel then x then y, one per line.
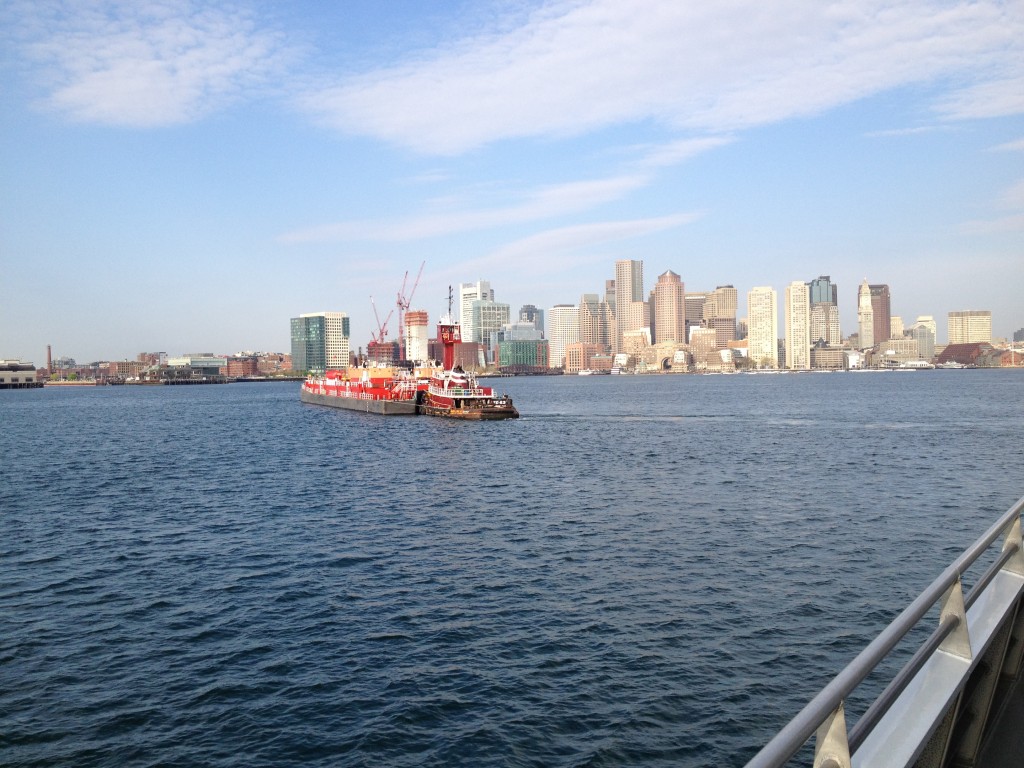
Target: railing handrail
pixel 796 733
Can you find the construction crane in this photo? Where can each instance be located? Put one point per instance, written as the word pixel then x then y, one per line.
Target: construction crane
pixel 403 304
pixel 380 337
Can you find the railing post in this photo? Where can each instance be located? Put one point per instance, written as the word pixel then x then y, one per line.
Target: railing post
pixel 1013 537
pixel 959 641
pixel 831 748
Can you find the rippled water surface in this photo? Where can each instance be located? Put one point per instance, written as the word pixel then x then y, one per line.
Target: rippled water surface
pixel 641 571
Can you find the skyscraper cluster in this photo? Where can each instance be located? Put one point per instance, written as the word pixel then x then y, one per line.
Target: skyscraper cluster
pixel 695 326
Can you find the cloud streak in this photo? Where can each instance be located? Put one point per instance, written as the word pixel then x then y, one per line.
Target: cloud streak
pixel 546 202
pixel 711 67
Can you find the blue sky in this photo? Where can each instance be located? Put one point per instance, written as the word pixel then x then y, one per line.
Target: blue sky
pixel 178 176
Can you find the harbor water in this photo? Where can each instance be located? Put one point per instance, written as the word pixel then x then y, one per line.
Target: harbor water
pixel 642 570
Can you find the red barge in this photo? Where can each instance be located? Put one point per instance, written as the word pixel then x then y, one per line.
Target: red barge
pixel 446 391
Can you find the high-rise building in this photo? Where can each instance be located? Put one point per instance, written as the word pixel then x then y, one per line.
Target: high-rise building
pixel 865 316
pixel 824 290
pixel 563 330
pixel 896 327
pixel 825 324
pixel 320 341
pixel 763 327
pixel 488 317
pixel 631 308
pixel 417 334
pixel 468 293
pixel 669 308
pixel 970 326
pixel 719 312
pixel 798 326
pixel 530 314
pixel 881 313
pixel 596 326
pixel 694 310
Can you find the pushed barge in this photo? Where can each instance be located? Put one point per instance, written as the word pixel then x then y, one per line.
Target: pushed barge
pixel 446 391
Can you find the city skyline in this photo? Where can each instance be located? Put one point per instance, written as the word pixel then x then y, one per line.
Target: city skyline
pixel 179 177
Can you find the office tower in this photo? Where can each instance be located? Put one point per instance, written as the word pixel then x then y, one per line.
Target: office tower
pixel 865 316
pixel 468 293
pixel 669 308
pixel 825 324
pixel 417 334
pixel 798 326
pixel 530 314
pixel 703 342
pixel 924 334
pixel 631 309
pixel 488 318
pixel 823 290
pixel 970 326
pixel 928 321
pixel 595 321
pixel 320 341
pixel 881 315
pixel 719 312
pixel 563 330
pixel 694 310
pixel 896 327
pixel 763 327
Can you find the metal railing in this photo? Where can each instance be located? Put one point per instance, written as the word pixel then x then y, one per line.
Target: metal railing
pixel 919 711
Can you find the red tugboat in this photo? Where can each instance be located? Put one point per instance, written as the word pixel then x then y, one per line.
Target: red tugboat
pixel 454 393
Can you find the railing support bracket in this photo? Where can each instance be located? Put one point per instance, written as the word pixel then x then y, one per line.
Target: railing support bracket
pixel 831 748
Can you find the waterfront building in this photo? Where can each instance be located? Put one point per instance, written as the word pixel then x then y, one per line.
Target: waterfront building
pixel 970 326
pixel 763 327
pixel 703 343
pixel 924 334
pixel 14 374
pixel 240 366
pixel 523 355
pixel 881 313
pixel 895 352
pixel 201 363
pixel 128 369
pixel 320 340
pixel 417 334
pixel 563 330
pixel 1018 335
pixel 632 311
pixel 468 293
pixel 583 357
pixel 596 323
pixel 669 321
pixel 865 317
pixel 528 313
pixel 798 326
pixel 825 357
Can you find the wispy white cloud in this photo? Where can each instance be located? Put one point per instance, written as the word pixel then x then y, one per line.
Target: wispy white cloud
pixel 537 251
pixel 717 67
pixel 145 63
pixel 896 132
pixel 547 202
pixel 1010 146
pixel 1012 199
